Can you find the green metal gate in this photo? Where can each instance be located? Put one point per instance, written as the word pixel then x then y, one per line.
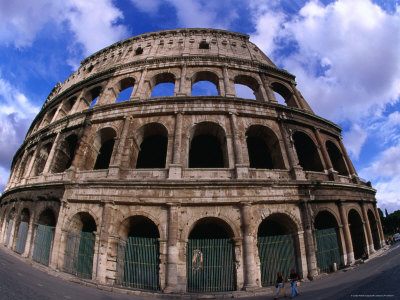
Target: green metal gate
pixel 138 263
pixel 327 249
pixel 277 254
pixel 21 237
pixel 210 265
pixel 42 244
pixel 78 255
pixel 10 223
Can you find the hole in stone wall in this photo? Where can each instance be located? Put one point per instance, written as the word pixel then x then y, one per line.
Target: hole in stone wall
pixel 104 157
pixel 204 45
pixel 204 88
pixel 205 152
pixel 307 152
pixel 165 89
pixel 153 151
pixel 259 154
pixel 243 91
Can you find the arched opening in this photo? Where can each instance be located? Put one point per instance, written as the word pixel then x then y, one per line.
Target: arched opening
pixel 69 104
pixel 374 229
pixel 276 247
pixel 41 159
pixel 336 158
pixel 126 86
pixel 9 226
pixel 210 261
pixel 263 148
pixel 44 237
pixel 328 241
pixel 247 87
pixel 93 96
pixel 22 230
pixel 139 51
pixel 79 246
pixel 153 148
pixel 105 143
pixel 279 98
pixel 208 146
pixel 25 165
pixel 205 83
pixel 204 45
pixel 65 154
pixel 163 85
pixel 357 234
pixel 307 152
pixel 138 254
pixel 285 93
pixel 49 117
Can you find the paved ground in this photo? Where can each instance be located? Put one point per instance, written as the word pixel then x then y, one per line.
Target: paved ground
pixel 379 278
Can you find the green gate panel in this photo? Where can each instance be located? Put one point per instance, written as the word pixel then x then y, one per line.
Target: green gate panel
pixel 78 254
pixel 21 238
pixel 277 254
pixel 138 263
pixel 210 265
pixel 10 223
pixel 42 244
pixel 327 249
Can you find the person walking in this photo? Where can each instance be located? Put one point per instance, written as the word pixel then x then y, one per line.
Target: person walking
pixel 280 285
pixel 293 279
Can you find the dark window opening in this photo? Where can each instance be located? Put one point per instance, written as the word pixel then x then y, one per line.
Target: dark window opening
pixel 104 157
pixel 336 158
pixel 143 227
pixel 259 154
pixel 65 154
pixel 325 220
pixel 204 45
pixel 47 218
pixel 357 233
pixel 271 227
pixel 206 152
pixel 374 230
pixel 88 223
pixel 139 51
pixel 153 152
pixel 307 153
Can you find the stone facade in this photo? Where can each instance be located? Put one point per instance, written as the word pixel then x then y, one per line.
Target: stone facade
pixel 84 167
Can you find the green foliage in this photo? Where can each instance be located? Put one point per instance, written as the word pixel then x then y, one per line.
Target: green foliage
pixel 391 223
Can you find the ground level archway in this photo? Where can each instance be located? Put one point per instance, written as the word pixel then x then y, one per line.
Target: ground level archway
pixel 357 233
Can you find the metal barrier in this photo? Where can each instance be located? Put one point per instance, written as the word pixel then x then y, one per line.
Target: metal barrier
pixel 138 263
pixel 277 254
pixel 78 255
pixel 42 244
pixel 21 237
pixel 210 265
pixel 327 249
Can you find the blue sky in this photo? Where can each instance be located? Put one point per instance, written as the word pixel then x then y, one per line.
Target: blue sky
pixel 345 55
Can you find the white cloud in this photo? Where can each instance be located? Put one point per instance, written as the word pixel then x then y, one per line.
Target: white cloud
pixel 354 140
pixel 94 23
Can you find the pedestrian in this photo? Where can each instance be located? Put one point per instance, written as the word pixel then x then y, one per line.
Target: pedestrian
pixel 280 285
pixel 293 279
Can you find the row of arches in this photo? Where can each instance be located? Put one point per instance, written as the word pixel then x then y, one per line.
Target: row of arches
pixel 169 83
pixel 211 251
pixel 208 148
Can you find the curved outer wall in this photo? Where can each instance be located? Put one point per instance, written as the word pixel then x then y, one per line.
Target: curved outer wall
pixel 57 171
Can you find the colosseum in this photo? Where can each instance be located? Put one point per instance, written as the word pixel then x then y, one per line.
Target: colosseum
pixel 130 178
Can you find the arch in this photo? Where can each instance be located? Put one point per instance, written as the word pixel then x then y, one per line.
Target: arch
pixel 69 104
pixel 104 142
pixel 357 233
pixel 263 148
pixel 208 147
pixel 23 170
pixel 162 85
pixel 328 243
pixel 336 158
pixel 278 245
pixel 10 222
pixel 79 245
pixel 21 230
pixel 204 45
pixel 125 89
pixel 307 152
pixel 250 83
pixel 44 235
pixel 286 94
pixel 49 116
pixel 138 51
pixel 152 153
pixel 373 224
pixel 206 90
pixel 93 95
pixel 65 154
pixel 41 158
pixel 138 254
pixel 210 258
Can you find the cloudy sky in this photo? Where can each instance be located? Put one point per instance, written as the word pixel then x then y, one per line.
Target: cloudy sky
pixel 345 54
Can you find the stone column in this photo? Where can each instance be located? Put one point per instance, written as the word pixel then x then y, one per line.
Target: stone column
pixel 57 253
pixel 308 240
pixel 175 168
pixel 171 278
pixel 12 232
pixel 343 245
pixel 370 240
pixel 50 158
pixel 349 164
pixel 103 245
pixel 327 160
pixel 300 100
pixel 249 264
pixel 183 90
pixel 379 224
pixel 347 234
pixel 31 164
pixel 229 89
pixel 29 237
pixel 139 92
pixel 242 170
pixel 295 169
pixel 269 92
pixel 115 165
